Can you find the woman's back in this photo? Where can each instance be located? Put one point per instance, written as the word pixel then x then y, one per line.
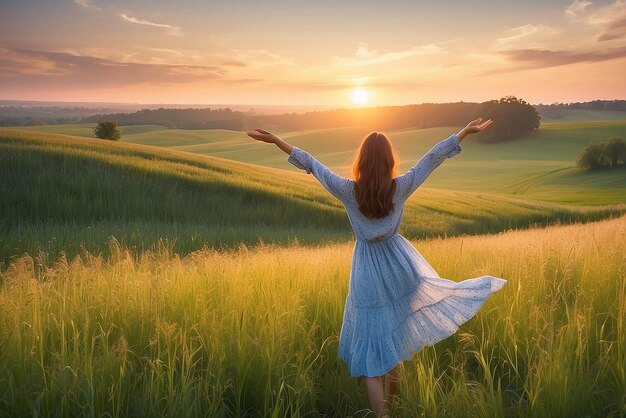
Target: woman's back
pixel 377 229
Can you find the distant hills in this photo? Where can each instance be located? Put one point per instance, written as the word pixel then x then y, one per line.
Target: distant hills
pixel 516 117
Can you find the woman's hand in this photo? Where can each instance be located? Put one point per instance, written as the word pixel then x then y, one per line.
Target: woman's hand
pixel 474 127
pixel 264 136
pixel 270 138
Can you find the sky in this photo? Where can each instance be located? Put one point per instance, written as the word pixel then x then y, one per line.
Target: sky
pixel 294 52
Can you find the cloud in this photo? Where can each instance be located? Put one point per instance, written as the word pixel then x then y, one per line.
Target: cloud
pixel 610 19
pixel 87 4
pixel 174 30
pixel 174 52
pixel 366 56
pixel 234 63
pixel 140 55
pixel 577 7
pixel 69 71
pixel 242 81
pixel 523 33
pixel 259 58
pixel 543 58
pixel 15 63
pixel 347 84
pixel 614 30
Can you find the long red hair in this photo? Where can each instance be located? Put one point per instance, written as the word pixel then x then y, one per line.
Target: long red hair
pixel 374 170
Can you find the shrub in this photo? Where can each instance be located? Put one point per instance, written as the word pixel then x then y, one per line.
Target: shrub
pixel 603 154
pixel 615 151
pixel 108 130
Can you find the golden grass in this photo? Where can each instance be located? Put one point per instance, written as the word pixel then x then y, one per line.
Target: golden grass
pixel 254 331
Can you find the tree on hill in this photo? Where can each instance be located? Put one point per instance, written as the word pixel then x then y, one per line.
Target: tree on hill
pixel 513 118
pixel 592 157
pixel 611 153
pixel 108 130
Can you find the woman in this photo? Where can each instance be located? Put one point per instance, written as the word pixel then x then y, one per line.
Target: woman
pixel 396 302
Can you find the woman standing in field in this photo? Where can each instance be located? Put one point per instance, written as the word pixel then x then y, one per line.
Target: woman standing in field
pixel 396 302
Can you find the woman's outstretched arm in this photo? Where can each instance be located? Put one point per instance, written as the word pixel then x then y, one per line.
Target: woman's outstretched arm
pixel 447 148
pixel 338 186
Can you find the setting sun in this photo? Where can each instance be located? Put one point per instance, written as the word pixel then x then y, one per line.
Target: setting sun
pixel 360 97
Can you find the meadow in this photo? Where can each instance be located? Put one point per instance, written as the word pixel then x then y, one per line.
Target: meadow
pixel 254 332
pixel 541 166
pixel 196 273
pixel 65 194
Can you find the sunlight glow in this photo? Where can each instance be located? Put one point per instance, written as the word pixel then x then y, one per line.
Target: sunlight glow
pixel 360 97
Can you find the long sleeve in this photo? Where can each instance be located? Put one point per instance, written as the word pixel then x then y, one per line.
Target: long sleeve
pixel 338 186
pixel 412 179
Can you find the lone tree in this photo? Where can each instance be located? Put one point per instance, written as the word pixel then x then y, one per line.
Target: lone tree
pixel 108 130
pixel 592 157
pixel 611 153
pixel 513 118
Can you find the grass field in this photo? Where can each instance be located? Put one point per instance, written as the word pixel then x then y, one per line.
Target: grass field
pixel 540 166
pixel 254 332
pixel 157 279
pixel 63 193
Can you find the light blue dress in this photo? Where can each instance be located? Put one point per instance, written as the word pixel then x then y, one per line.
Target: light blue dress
pixel 396 301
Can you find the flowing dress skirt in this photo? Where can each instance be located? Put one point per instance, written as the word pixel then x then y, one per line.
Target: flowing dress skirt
pixel 398 304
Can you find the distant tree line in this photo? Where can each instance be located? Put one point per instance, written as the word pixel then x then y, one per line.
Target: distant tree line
pixel 24 115
pixel 390 117
pixel 514 118
pixel 554 110
pixel 608 154
pixel 592 105
pixel 179 118
pixel 36 121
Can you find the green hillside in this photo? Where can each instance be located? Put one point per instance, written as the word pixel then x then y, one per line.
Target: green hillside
pixel 540 166
pixel 63 192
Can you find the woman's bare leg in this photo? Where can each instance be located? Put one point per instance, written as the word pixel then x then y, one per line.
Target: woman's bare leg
pixel 376 394
pixel 392 386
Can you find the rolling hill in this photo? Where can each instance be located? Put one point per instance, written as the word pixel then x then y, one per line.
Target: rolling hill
pixel 64 193
pixel 540 166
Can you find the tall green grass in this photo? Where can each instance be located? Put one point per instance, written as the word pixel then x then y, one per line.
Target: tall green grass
pixel 62 193
pixel 254 332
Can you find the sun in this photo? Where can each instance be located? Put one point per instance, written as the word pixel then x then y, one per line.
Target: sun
pixel 360 97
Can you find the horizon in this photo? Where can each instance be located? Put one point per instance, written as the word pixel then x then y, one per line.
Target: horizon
pixel 311 55
pixel 59 103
